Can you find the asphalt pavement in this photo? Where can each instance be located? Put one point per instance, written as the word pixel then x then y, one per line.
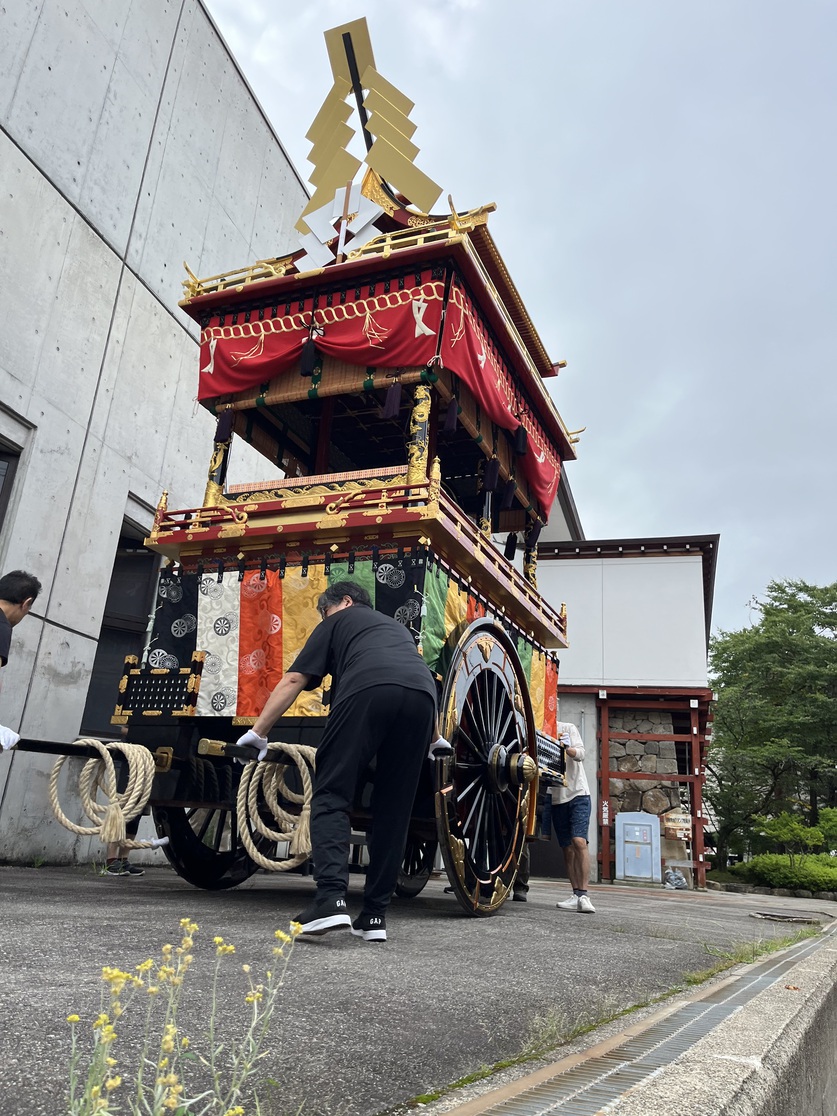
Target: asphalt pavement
pixel 363 1028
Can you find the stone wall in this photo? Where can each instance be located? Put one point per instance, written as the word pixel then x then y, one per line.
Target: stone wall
pixel 647 795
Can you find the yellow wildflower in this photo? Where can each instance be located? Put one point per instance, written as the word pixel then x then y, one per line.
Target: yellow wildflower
pixel 282 936
pixel 100 1021
pixel 108 1034
pixel 237 1111
pixel 163 1063
pixel 73 1019
pixel 252 997
pixel 217 940
pixel 145 966
pixel 112 1083
pixel 296 929
pixel 166 950
pixel 224 948
pixel 184 1042
pixel 110 1062
pixel 245 968
pixel 152 990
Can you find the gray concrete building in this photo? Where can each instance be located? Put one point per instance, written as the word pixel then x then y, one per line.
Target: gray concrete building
pixel 129 142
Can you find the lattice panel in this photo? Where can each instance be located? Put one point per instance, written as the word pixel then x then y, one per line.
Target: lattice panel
pixel 158 692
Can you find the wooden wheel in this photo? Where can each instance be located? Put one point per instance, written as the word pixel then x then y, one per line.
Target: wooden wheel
pixel 483 790
pixel 416 867
pixel 204 846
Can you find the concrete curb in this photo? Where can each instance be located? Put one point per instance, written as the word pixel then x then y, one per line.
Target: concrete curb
pixel 773 1057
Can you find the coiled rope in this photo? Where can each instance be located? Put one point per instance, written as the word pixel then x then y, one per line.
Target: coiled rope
pixel 268 781
pixel 99 774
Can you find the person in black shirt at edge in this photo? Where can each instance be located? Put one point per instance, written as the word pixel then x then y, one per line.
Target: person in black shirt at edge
pixel 383 704
pixel 18 591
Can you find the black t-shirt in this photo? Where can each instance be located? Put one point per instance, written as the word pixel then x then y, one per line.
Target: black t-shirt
pixel 361 648
pixel 5 638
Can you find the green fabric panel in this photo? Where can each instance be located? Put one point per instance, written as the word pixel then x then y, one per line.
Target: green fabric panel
pixel 524 650
pixel 362 575
pixel 433 626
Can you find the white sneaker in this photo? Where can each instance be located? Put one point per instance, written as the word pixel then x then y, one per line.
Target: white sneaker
pixel 585 906
pixel 571 904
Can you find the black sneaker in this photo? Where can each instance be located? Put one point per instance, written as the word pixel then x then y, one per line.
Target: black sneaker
pixel 130 869
pixel 322 916
pixel 370 927
pixel 116 868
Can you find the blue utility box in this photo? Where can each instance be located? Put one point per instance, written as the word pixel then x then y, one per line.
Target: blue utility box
pixel 638 848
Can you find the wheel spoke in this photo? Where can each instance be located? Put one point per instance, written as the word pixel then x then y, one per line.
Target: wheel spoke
pixel 210 814
pixel 473 783
pixel 479 798
pixel 476 707
pixel 219 830
pixel 480 755
pixel 497 705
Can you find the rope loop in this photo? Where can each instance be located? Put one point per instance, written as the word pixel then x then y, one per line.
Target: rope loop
pixel 99 775
pixel 262 785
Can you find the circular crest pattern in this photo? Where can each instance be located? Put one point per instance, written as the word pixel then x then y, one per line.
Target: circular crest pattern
pixel 209 587
pixel 212 663
pixel 183 625
pixel 408 611
pixel 221 699
pixel 157 658
pixel 253 586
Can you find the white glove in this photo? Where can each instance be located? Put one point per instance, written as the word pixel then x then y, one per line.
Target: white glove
pixel 438 748
pixel 254 741
pixel 8 739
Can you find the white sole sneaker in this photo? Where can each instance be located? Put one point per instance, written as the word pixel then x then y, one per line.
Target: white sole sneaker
pixel 370 935
pixel 585 906
pixel 570 904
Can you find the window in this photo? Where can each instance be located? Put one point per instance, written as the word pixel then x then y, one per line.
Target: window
pixel 8 468
pixel 124 625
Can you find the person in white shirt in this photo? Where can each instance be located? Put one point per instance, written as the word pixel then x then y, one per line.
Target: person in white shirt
pixel 571 820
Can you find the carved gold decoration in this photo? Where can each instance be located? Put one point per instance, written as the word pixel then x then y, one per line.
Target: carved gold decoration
pixel 486 646
pixel 499 893
pixel 232 531
pixel 457 849
pixel 418 436
pixel 485 526
pixel 435 488
pixel 371 188
pixel 530 567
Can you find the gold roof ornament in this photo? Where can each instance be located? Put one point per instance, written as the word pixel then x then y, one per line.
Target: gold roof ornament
pixel 383 112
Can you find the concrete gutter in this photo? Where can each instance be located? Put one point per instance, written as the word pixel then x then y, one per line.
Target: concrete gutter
pixel 777 1055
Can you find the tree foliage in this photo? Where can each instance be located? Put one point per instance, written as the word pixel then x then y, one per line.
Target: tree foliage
pixel 774 745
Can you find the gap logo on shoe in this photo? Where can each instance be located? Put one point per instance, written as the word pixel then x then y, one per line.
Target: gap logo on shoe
pixel 372 928
pixel 322 916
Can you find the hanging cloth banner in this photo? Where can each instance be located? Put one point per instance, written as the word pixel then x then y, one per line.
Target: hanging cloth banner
pixel 371 327
pixel 467 351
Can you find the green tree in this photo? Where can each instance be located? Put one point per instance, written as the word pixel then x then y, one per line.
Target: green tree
pixel 774 745
pixel 788 831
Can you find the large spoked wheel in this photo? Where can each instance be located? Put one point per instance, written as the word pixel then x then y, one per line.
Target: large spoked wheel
pixel 483 793
pixel 199 819
pixel 204 846
pixel 416 867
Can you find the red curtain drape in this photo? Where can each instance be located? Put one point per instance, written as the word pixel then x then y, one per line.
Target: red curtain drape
pixel 382 328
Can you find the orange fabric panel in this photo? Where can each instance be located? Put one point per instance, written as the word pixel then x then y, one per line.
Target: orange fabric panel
pixel 259 640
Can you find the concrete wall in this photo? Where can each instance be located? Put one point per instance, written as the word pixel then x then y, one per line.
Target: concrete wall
pixel 632 621
pixel 129 142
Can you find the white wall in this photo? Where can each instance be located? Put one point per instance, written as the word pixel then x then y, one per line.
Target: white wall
pixel 129 143
pixel 632 621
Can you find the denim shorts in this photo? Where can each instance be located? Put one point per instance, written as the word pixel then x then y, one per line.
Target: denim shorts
pixel 571 819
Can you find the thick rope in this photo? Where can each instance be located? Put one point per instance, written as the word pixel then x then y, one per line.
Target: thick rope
pixel 109 820
pixel 264 782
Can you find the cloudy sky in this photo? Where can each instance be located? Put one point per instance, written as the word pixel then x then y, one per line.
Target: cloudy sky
pixel 664 174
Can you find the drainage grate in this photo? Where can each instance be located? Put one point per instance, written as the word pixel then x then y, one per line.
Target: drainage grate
pixel 586 1089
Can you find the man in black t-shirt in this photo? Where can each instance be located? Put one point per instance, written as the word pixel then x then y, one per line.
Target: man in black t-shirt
pixel 383 704
pixel 18 591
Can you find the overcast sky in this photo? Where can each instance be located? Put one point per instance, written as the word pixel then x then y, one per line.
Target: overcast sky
pixel 667 206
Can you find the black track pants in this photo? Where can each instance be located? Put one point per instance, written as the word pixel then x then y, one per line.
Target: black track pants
pixel 395 725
